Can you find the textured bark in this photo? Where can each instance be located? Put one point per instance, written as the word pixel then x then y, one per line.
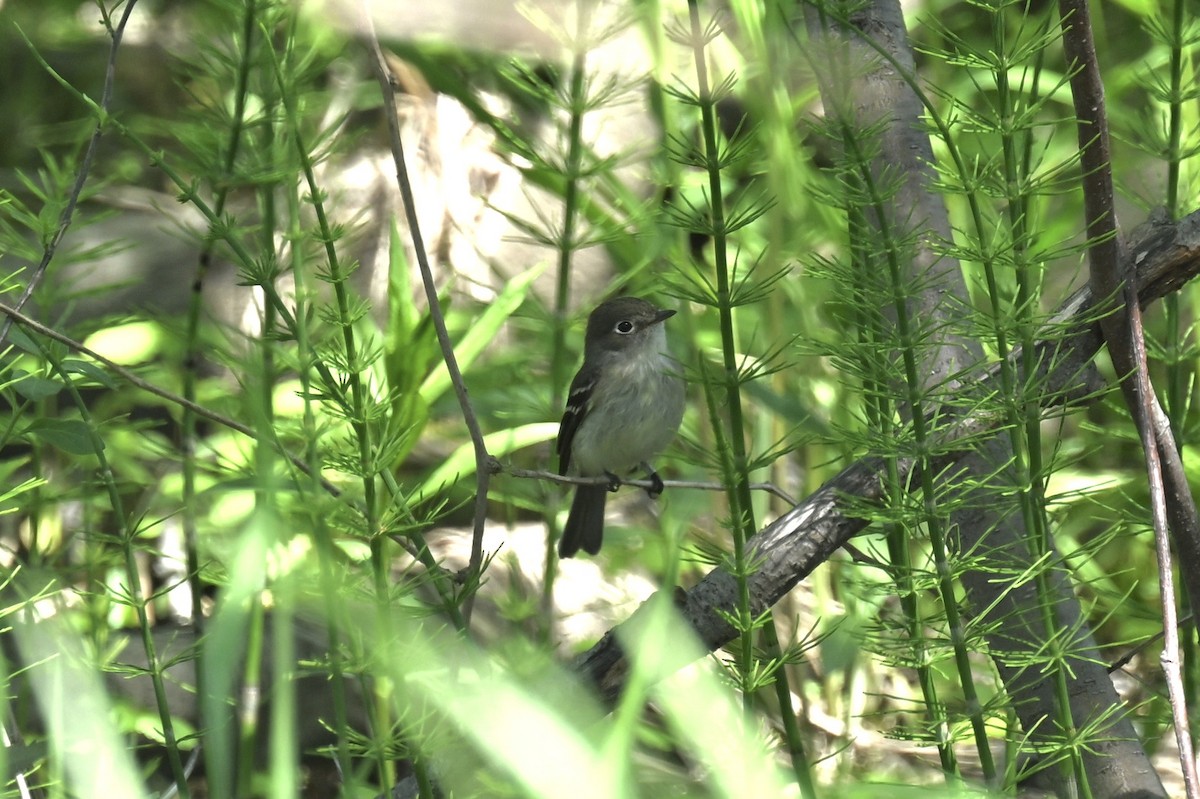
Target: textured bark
pixel 985 519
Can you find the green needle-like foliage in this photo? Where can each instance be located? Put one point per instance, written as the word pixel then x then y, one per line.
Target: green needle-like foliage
pixel 236 484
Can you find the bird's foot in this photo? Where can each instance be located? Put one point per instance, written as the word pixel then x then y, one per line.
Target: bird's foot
pixel 656 485
pixel 614 482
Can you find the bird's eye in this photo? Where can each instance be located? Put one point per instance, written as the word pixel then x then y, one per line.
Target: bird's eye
pixel 624 327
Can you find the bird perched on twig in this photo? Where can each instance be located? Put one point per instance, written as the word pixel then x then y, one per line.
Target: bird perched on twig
pixel 624 407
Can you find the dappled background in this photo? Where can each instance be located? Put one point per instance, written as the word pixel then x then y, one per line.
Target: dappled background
pixel 240 242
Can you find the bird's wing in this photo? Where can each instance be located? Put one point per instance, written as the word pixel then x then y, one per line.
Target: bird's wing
pixel 578 401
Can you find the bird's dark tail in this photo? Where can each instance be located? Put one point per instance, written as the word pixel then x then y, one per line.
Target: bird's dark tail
pixel 585 523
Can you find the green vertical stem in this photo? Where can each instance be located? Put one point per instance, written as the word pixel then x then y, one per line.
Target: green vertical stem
pixel 737 474
pixel 322 535
pixel 731 382
pixel 1026 407
pixel 915 400
pixel 357 413
pixel 250 699
pixel 791 728
pixel 37 505
pixel 567 245
pixel 732 447
pixel 188 436
pixel 577 106
pixel 128 535
pixel 881 417
pixel 283 758
pixel 744 623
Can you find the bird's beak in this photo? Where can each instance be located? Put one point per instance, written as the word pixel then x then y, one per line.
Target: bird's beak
pixel 663 316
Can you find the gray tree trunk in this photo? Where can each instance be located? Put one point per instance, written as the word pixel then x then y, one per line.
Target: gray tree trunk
pixel 987 523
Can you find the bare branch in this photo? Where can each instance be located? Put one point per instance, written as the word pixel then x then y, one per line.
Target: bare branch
pixel 537 474
pixel 482 459
pixel 1126 344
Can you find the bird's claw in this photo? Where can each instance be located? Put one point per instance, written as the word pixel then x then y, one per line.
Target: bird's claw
pixel 614 482
pixel 656 486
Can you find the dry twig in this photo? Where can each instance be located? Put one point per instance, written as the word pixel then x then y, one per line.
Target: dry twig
pixel 1126 344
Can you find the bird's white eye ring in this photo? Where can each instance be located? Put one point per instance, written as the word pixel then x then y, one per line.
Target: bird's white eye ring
pixel 624 327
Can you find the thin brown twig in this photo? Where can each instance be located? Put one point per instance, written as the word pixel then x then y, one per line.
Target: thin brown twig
pixel 1169 659
pixel 482 459
pixel 1124 336
pixel 85 168
pixel 538 474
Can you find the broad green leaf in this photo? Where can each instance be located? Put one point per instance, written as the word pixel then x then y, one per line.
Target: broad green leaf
pixel 481 333
pixel 842 647
pixel 76 709
pixel 70 435
pixel 35 388
pixel 410 347
pixel 21 340
pixel 89 370
pixel 461 464
pixel 699 708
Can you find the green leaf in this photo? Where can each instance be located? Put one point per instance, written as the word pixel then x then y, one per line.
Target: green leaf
pixel 409 348
pixel 461 464
pixel 35 388
pixel 69 435
pixel 481 333
pixel 91 371
pixel 21 340
pixel 128 343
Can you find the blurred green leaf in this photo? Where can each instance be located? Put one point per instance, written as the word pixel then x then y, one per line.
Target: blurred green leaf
pixel 842 646
pixel 482 332
pixel 90 371
pixel 35 388
pixel 127 344
pixel 409 348
pixel 21 340
pixel 461 464
pixel 69 435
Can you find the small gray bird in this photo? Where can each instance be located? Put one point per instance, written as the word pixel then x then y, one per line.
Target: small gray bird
pixel 623 409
